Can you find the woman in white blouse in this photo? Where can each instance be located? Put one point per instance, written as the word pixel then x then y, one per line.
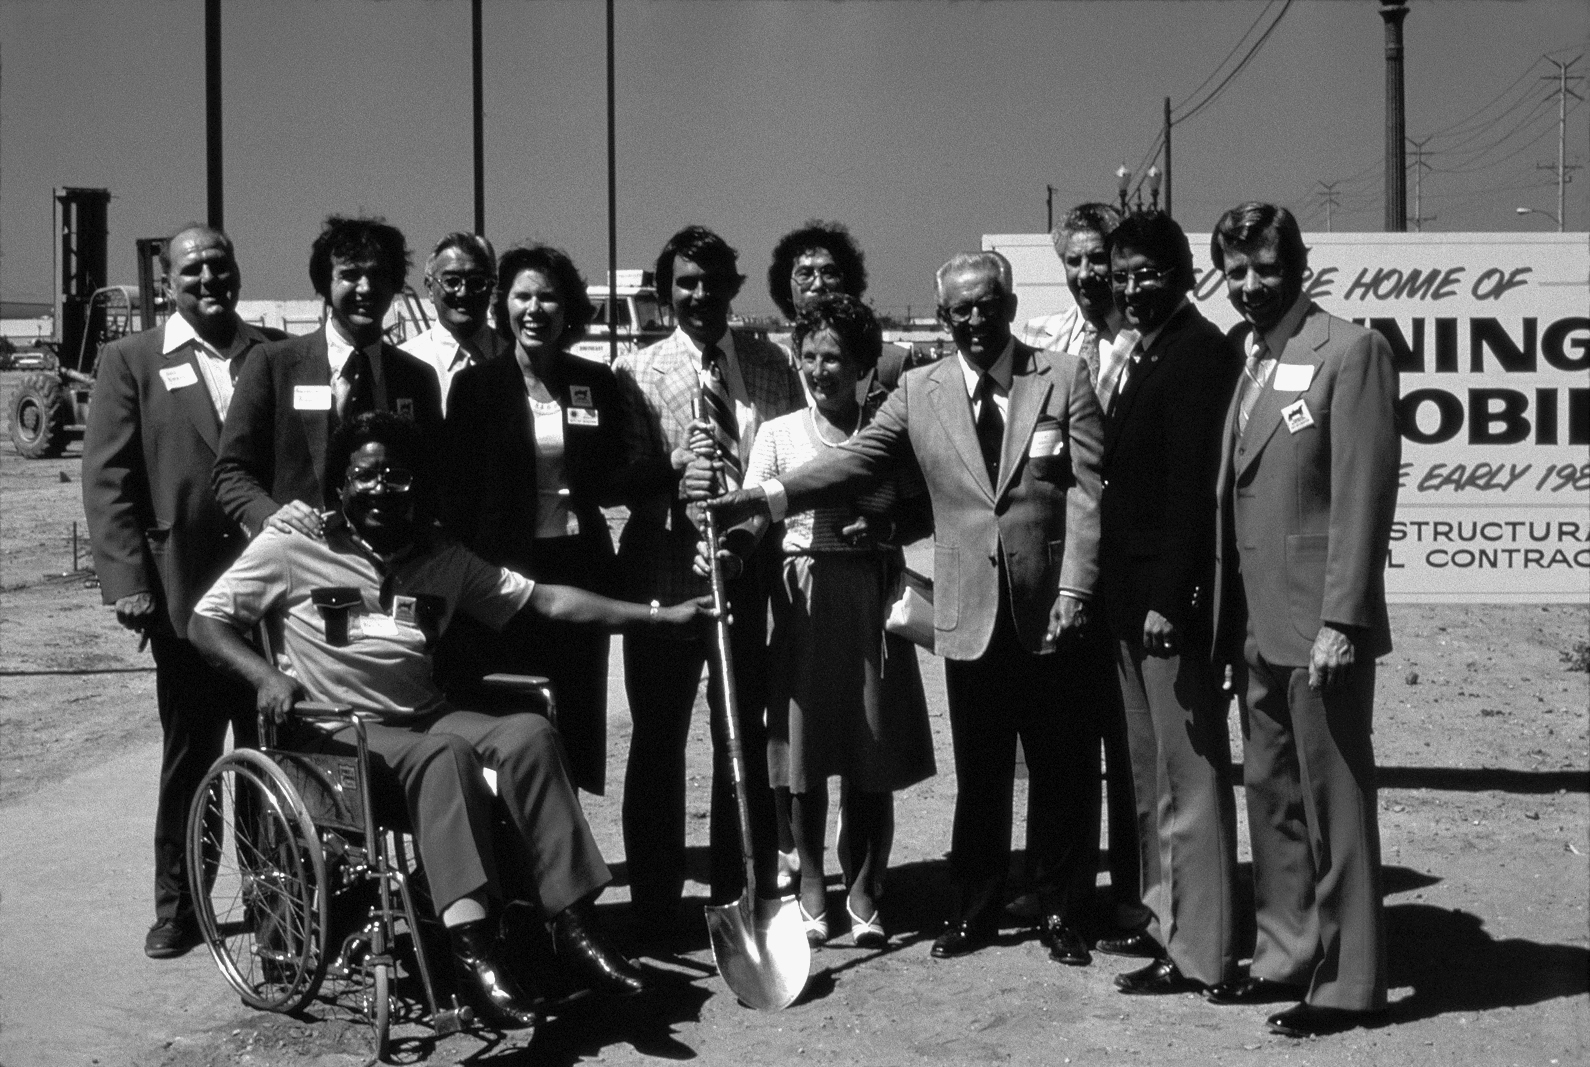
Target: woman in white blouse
pixel 845 699
pixel 533 440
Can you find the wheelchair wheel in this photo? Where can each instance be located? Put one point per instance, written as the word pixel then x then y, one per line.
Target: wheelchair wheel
pixel 258 877
pixel 378 1006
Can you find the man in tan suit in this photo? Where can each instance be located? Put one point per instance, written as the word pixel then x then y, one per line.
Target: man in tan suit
pixel 1007 439
pixel 1307 488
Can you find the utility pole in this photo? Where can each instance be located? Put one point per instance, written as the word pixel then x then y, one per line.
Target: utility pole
pixel 215 207
pixel 1393 12
pixel 1167 157
pixel 1419 167
pixel 1562 92
pixel 478 110
pixel 1330 201
pixel 1049 203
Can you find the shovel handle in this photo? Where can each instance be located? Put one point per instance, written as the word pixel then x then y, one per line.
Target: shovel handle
pixel 724 657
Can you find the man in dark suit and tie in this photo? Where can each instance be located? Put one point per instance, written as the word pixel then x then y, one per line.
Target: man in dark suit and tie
pixel 1007 439
pixel 159 536
pixel 1161 433
pixel 1307 489
pixel 271 469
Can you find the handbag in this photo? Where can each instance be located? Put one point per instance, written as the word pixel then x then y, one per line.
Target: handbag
pixel 910 612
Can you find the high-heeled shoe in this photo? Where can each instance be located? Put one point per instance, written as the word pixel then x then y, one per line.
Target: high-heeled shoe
pixel 866 933
pixel 816 925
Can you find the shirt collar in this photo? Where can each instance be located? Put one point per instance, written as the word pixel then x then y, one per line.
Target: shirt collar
pixel 725 344
pixel 1278 335
pixel 339 348
pixel 180 332
pixel 1003 370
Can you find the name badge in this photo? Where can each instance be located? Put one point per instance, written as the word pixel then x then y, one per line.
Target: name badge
pixel 1293 377
pixel 1047 440
pixel 1297 416
pixel 405 407
pixel 178 376
pixel 584 417
pixel 311 398
pixel 373 624
pixel 580 396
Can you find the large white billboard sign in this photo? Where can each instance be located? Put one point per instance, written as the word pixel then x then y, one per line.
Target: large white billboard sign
pixel 1492 338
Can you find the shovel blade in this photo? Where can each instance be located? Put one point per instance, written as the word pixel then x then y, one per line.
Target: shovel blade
pixel 761 951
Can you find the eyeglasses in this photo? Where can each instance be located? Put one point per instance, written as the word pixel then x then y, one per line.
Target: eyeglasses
pixel 805 276
pixel 988 307
pixel 1143 276
pixel 397 479
pixel 458 284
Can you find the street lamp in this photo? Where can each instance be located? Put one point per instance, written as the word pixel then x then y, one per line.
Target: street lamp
pixel 1541 211
pixel 1123 181
pixel 1153 186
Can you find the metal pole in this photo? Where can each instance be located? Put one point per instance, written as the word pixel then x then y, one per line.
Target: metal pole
pixel 1562 143
pixel 1393 12
pixel 612 206
pixel 1049 205
pixel 215 206
pixel 1167 157
pixel 479 116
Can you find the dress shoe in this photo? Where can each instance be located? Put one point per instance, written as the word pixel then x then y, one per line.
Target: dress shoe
pixel 496 994
pixel 1065 944
pixel 1253 990
pixel 580 947
pixel 1138 944
pixel 960 938
pixel 1306 1020
pixel 169 938
pixel 1157 979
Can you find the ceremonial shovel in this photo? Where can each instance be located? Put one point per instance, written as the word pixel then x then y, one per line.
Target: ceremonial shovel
pixel 759 945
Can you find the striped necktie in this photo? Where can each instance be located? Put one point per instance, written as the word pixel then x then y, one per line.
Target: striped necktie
pixel 720 415
pixel 1256 371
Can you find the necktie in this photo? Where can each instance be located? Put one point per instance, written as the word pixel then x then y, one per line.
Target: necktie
pixel 1127 367
pixel 990 428
pixel 347 384
pixel 1110 363
pixel 720 415
pixel 1256 372
pixel 1090 353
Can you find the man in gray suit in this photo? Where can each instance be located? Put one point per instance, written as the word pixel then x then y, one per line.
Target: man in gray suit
pixel 1307 490
pixel 1007 439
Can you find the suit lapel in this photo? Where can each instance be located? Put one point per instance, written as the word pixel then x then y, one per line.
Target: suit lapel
pixel 954 410
pixel 1030 385
pixel 1302 350
pixel 314 368
pixel 195 400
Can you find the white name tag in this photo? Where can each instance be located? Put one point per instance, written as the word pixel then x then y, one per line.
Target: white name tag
pixel 1297 416
pixel 178 376
pixel 374 625
pixel 1293 377
pixel 311 398
pixel 1048 441
pixel 584 417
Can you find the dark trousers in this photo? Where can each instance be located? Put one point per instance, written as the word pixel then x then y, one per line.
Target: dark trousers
pixel 1006 693
pixel 661 677
pixel 197 703
pixel 1309 771
pixel 430 771
pixel 1181 755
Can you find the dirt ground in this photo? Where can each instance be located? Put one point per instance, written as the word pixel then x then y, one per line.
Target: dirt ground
pixel 1482 746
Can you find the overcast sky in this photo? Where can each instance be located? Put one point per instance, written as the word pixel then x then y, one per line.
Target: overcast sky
pixel 922 124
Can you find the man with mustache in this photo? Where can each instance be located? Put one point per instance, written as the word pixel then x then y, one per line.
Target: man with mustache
pixel 159 536
pixel 1307 487
pixel 747 382
pixel 271 469
pixel 1160 452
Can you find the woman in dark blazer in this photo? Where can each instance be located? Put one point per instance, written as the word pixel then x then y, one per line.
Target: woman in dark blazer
pixel 533 441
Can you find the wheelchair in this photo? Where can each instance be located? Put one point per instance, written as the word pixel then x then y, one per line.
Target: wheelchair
pixel 297 885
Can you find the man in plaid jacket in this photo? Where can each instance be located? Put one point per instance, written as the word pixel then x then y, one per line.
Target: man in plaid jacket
pixel 659 387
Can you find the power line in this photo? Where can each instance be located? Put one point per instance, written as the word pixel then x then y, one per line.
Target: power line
pixel 1227 57
pixel 1253 51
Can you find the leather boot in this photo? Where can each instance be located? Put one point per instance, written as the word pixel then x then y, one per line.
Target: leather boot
pixel 498 995
pixel 580 948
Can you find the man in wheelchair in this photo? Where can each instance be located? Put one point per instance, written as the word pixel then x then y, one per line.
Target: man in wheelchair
pixel 360 612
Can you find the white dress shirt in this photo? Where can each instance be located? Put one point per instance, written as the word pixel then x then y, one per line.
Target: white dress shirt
pixel 339 348
pixel 440 347
pixel 214 368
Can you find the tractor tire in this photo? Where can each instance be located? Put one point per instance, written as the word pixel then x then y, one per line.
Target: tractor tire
pixel 38 417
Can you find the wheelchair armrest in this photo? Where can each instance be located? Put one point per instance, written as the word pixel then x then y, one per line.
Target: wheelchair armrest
pixel 496 693
pixel 315 711
pixel 519 684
